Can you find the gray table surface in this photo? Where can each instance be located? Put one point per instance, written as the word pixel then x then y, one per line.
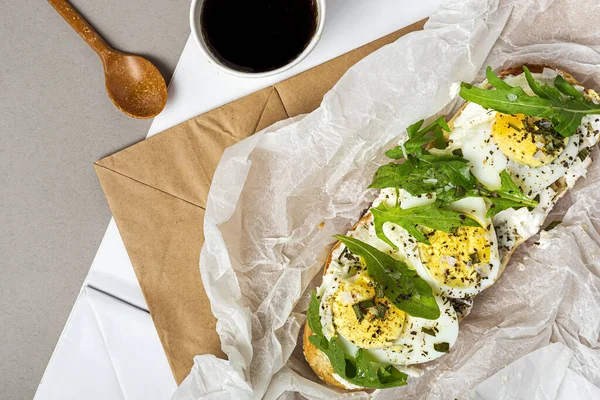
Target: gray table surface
pixel 55 121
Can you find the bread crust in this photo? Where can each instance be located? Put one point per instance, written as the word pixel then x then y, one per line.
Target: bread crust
pixel 316 358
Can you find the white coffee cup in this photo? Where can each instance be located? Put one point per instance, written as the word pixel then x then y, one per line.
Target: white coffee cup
pixel 196 26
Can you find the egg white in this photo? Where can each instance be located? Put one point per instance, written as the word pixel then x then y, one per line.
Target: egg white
pixel 473 135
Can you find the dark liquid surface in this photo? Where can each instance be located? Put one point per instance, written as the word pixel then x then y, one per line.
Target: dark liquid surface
pixel 258 35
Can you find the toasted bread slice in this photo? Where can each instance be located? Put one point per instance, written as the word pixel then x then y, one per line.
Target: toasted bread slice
pixel 317 359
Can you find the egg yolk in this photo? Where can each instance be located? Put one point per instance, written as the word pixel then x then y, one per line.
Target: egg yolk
pixel 453 259
pixel 527 140
pixel 367 329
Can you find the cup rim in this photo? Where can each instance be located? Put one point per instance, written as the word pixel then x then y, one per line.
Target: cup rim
pixel 196 29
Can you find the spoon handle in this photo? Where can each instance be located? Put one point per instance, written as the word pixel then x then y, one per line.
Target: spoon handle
pixel 81 26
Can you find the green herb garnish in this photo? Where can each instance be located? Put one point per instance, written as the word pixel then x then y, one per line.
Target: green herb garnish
pixel 516 128
pixel 442 347
pixel 381 310
pixel 401 285
pixel 508 196
pixel 562 104
pixel 430 216
pixel 358 311
pixel 425 173
pixel 474 258
pixel 356 370
pixel 450 178
pixel 583 154
pixel 428 331
pixel 418 137
pixel 366 304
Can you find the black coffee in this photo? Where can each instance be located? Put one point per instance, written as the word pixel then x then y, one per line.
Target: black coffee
pixel 258 35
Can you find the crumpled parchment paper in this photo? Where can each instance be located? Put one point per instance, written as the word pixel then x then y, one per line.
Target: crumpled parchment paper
pixel 539 375
pixel 264 247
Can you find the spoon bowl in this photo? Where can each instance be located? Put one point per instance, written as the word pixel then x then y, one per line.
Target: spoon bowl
pixel 133 83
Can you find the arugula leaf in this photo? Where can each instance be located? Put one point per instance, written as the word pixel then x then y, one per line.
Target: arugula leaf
pixel 500 204
pixel 565 112
pixel 570 119
pixel 495 81
pixel 413 130
pixel 430 216
pixel 563 122
pixel 415 145
pixel 512 101
pixel 417 137
pixel 508 196
pixel 449 195
pixel 356 370
pixel 425 173
pixel 396 153
pixel 455 168
pixel 441 122
pixel 439 139
pixel 412 176
pixel 565 87
pixel 312 315
pixel 544 91
pixel 450 178
pixel 401 285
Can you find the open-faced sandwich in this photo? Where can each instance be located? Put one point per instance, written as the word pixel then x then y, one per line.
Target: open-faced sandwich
pixel 453 207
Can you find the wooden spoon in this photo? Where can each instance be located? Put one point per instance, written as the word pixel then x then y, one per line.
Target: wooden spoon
pixel 133 83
